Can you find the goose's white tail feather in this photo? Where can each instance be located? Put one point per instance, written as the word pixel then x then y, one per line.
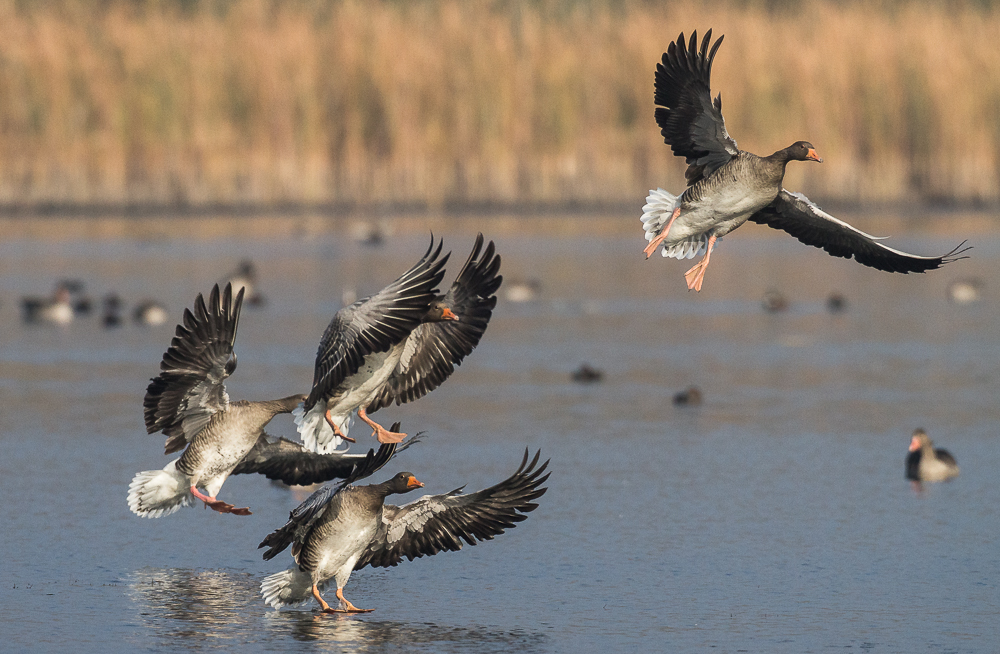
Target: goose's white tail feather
pixel 156 493
pixel 315 431
pixel 656 213
pixel 287 588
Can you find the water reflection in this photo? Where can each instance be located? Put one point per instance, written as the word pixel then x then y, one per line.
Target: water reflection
pixel 195 606
pixel 208 609
pixel 356 634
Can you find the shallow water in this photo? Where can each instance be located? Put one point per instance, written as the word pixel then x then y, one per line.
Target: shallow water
pixel 773 518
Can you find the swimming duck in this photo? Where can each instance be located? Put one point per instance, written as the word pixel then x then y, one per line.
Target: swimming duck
pixel 397 345
pixel 56 310
pixel 245 277
pixel 344 528
pixel 924 463
pixel 728 186
pixel 150 312
pixel 112 311
pixel 690 396
pixel 188 402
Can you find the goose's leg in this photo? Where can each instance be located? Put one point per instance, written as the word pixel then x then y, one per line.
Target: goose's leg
pixel 322 602
pixel 651 248
pixel 381 433
pixel 336 429
pixel 346 606
pixel 219 505
pixel 696 275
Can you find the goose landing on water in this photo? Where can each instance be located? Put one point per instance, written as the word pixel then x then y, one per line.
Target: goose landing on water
pixel 728 186
pixel 341 529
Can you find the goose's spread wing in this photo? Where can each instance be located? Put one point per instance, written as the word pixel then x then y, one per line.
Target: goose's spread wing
pixel 190 389
pixel 375 324
pixel 795 214
pixel 690 122
pixel 441 522
pixel 289 462
pixel 434 349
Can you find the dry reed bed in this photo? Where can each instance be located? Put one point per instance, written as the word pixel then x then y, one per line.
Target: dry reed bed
pixel 472 101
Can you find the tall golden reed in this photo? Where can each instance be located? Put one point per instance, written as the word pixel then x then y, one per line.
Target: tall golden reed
pixel 429 102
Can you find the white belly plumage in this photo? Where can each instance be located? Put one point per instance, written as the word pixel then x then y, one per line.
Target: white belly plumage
pixel 362 388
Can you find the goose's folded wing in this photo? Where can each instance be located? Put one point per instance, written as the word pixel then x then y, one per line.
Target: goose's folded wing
pixel 291 463
pixel 190 390
pixel 945 456
pixel 434 349
pixel 797 215
pixel 301 520
pixel 375 324
pixel 435 523
pixel 690 122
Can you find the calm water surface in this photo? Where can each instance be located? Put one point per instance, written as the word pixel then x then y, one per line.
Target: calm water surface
pixel 773 518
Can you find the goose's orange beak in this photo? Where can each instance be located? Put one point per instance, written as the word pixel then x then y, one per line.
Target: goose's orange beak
pixel 448 314
pixel 413 483
pixel 914 444
pixel 812 156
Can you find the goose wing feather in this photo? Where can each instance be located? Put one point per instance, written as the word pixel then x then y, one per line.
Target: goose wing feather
pixel 434 349
pixel 189 389
pixel 690 121
pixel 375 324
pixel 291 463
pixel 796 214
pixel 436 523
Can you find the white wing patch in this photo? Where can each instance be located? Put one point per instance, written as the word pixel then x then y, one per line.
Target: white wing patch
pixel 414 520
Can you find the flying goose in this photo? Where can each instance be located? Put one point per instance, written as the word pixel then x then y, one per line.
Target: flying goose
pixel 188 402
pixel 397 345
pixel 341 529
pixel 728 186
pixel 924 463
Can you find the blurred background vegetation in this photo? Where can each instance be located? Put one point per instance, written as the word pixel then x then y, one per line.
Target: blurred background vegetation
pixel 479 103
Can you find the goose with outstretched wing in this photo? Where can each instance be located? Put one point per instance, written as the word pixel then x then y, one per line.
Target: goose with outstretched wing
pixel 728 186
pixel 341 529
pixel 398 345
pixel 359 350
pixel 188 402
pixel 433 349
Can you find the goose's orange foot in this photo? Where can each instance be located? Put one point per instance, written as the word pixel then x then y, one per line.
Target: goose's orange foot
pixel 219 505
pixel 378 431
pixel 651 248
pixel 336 429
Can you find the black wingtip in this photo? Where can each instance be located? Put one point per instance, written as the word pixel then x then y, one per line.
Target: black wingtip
pixel 956 253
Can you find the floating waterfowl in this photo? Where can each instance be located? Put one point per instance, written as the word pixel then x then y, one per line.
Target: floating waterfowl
pixel 151 313
pixel 245 277
pixel 111 311
pixel 344 528
pixel 587 374
pixel 774 301
pixel 728 186
pixel 527 290
pixel 56 310
pixel 965 291
pixel 690 396
pixel 397 345
pixel 836 302
pixel 925 463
